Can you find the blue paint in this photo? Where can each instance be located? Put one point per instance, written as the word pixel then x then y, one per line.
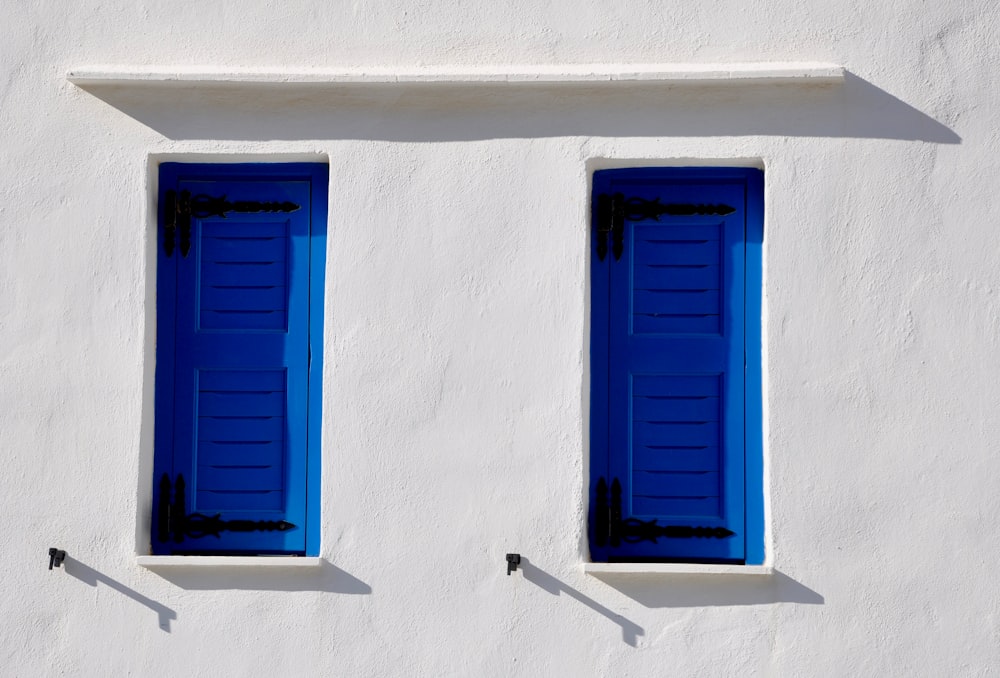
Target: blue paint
pixel 675 348
pixel 239 356
pixel 754 420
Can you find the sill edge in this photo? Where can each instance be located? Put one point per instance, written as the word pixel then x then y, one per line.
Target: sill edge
pixel 598 569
pixel 227 562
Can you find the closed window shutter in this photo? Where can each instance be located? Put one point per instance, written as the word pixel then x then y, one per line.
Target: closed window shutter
pixel 668 353
pixel 233 363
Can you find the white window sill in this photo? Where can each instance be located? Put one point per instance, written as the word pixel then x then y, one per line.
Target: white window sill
pixel 599 569
pixel 227 562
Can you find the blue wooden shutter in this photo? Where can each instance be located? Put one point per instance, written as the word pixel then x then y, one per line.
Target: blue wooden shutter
pixel 669 389
pixel 239 326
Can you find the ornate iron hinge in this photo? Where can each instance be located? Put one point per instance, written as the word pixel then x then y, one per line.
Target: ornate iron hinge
pixel 174 523
pixel 611 530
pixel 614 209
pixel 178 208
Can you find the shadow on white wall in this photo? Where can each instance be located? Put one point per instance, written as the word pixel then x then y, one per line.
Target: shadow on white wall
pixel 712 591
pixel 92 577
pixel 683 591
pixel 428 112
pixel 327 578
pixel 630 630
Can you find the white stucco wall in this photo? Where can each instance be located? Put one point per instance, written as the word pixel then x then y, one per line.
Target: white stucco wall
pixel 455 386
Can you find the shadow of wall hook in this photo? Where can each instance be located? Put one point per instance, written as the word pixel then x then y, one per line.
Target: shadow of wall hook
pixel 513 560
pixel 56 557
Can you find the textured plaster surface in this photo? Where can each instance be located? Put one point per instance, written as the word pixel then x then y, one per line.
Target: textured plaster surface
pixel 456 362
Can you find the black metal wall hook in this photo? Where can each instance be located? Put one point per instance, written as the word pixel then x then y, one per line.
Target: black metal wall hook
pixel 513 560
pixel 56 557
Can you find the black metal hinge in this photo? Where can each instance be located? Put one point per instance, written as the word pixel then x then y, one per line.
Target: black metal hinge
pixel 614 209
pixel 610 220
pixel 178 208
pixel 611 530
pixel 175 524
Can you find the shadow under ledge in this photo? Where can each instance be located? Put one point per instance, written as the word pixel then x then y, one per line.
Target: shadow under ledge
pixel 699 590
pixel 326 578
pixel 854 108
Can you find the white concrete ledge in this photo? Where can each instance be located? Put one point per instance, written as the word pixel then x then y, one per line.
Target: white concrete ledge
pixel 592 74
pixel 677 568
pixel 224 562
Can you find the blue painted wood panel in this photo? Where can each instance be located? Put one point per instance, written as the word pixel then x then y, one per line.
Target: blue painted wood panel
pixel 668 350
pixel 239 333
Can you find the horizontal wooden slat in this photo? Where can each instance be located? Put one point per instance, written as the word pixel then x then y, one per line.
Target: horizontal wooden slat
pixel 241 452
pixel 675 324
pixel 673 231
pixel 244 297
pixel 237 228
pixel 676 301
pixel 678 252
pixel 675 458
pixel 241 428
pixel 218 249
pixel 675 484
pixel 696 433
pixel 675 408
pixel 209 501
pixel 677 277
pixel 690 507
pixel 241 380
pixel 243 320
pixel 241 403
pixel 245 477
pixel 675 385
pixel 245 273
